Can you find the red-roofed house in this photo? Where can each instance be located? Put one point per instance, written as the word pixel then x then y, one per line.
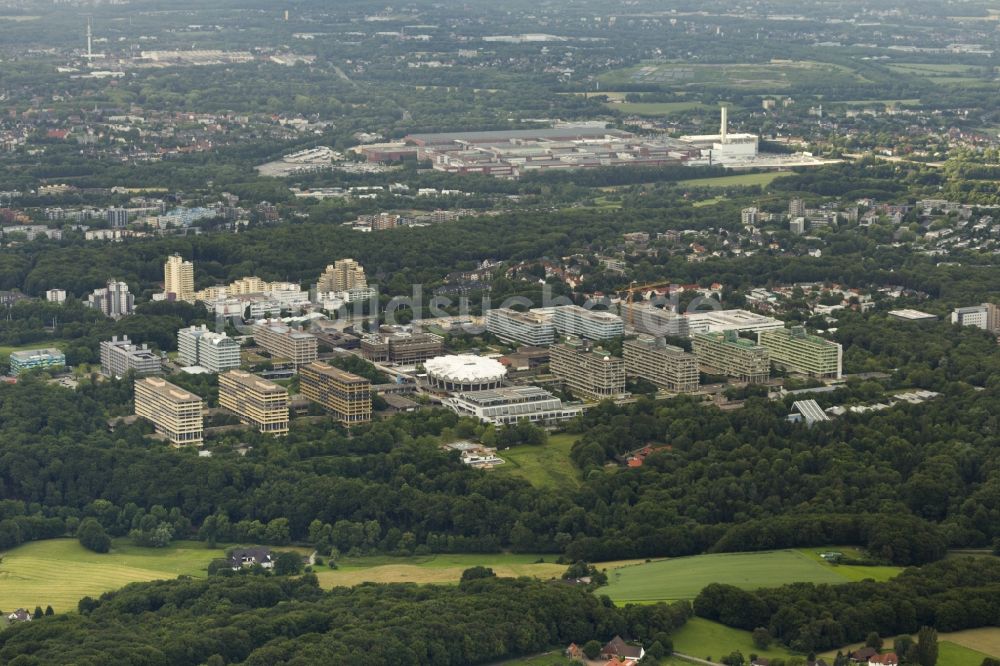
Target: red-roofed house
pixel 887 659
pixel 618 649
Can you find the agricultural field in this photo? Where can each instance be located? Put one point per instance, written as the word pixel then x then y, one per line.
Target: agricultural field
pixel 434 568
pixel 985 640
pixel 60 572
pixel 545 466
pixel 741 180
pixel 684 577
pixel 760 77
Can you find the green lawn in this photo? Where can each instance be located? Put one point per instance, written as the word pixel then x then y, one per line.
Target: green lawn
pixel 545 466
pixel 743 179
pixel 703 638
pixel 60 572
pixel 655 108
pixel 852 572
pixel 684 577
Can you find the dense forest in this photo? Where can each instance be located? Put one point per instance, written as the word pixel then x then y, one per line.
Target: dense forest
pixel 257 620
pixel 955 594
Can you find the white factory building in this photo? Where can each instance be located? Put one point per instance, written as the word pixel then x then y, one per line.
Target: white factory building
pixel 726 147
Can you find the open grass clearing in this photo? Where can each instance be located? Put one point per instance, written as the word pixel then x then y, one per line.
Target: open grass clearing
pixel 444 568
pixel 546 466
pixel 765 77
pixel 685 577
pixel 739 180
pixel 60 572
pixel 703 639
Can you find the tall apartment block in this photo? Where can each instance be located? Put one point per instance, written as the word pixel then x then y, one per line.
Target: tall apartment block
pixel 119 357
pixel 284 342
pixel 178 279
pixel 30 359
pixel 668 367
pixel 797 351
pixel 658 322
pixel 176 413
pixel 532 328
pixel 346 396
pixel 216 352
pixel 114 300
pixel 725 353
pixel 342 275
pixel 256 401
pixel 590 372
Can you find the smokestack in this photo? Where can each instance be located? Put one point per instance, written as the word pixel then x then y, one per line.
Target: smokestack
pixel 89 35
pixel 724 129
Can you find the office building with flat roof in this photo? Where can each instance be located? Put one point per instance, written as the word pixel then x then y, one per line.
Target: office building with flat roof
pixel 658 322
pixel 281 341
pixel 119 357
pixel 511 404
pixel 176 413
pixel 974 315
pixel 664 365
pixel 346 396
pixel 216 352
pixel 261 403
pixel 741 321
pixel 579 322
pixel 728 354
pixel 909 314
pixel 31 359
pixel 797 351
pixel 401 347
pixel 534 328
pixel 56 295
pixel 589 372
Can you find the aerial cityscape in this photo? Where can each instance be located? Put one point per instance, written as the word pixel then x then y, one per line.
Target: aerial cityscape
pixel 642 332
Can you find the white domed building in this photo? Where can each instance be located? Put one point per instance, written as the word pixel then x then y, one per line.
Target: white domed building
pixel 464 373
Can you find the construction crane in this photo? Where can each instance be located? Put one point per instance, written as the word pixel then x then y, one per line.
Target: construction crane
pixel 631 292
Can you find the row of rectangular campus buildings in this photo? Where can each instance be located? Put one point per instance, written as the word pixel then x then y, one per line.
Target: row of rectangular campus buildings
pixel 177 414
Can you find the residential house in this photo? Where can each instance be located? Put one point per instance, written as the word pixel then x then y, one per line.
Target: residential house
pixel 887 659
pixel 862 655
pixel 20 615
pixel 244 558
pixel 620 650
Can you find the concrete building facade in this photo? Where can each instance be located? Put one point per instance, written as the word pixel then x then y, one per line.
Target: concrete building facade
pixel 342 275
pixel 346 396
pixel 975 315
pixel 176 413
pixel 256 401
pixel 797 351
pixel 216 352
pixel 119 357
pixel 281 341
pixel 178 279
pixel 114 300
pixel 580 322
pixel 590 372
pixel 727 354
pixel 532 328
pixel 401 348
pixel 668 367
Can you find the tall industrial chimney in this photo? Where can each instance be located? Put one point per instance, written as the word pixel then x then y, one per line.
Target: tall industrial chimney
pixel 724 129
pixel 90 53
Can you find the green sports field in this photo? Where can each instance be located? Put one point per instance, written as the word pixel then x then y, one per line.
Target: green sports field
pixel 685 577
pixel 60 572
